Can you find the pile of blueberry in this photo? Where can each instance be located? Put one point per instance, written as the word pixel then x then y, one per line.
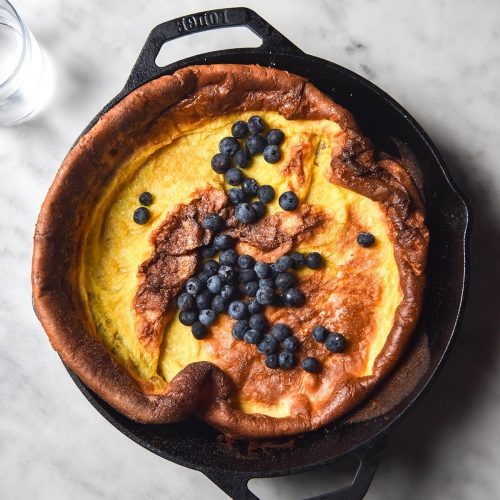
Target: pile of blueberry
pixel 334 342
pixel 232 157
pixel 242 288
pixel 142 214
pixel 236 284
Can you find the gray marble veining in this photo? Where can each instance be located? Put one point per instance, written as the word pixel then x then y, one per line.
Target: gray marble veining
pixel 439 59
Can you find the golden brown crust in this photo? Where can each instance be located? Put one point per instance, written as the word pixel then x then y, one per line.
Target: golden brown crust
pixel 140 119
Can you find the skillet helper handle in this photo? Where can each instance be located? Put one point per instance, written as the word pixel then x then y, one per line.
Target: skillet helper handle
pixel 145 67
pixel 368 457
pixel 236 484
pixel 233 484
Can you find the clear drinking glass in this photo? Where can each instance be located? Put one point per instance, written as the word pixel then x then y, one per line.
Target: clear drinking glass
pixel 23 69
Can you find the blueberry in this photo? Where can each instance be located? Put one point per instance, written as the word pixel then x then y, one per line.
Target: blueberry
pixel 194 286
pixel 286 360
pixel 237 309
pixel 267 345
pixel 271 361
pixel 223 242
pixel 146 198
pixel 266 193
pixel 255 144
pixel 229 146
pixel 289 201
pixel 234 176
pixel 250 186
pixel 188 317
pixel 366 239
pixel 284 281
pixel 203 276
pixel 258 322
pixel 264 295
pixel 228 257
pixel 208 251
pixel 212 266
pixel 277 300
pixel 314 260
pixel 221 163
pixel 262 270
pixel 245 213
pixel 291 344
pixel 259 209
pixel 214 284
pixel 275 136
pixel 246 275
pixel 298 260
pixel 236 195
pixel 255 307
pixel 226 274
pixel 218 304
pixel 242 158
pixel 185 302
pixel 272 154
pixel 204 299
pixel 246 261
pixel 141 215
pixel 207 317
pixel 239 329
pixel 280 331
pixel 213 222
pixel 293 297
pixel 269 282
pixel 250 288
pixel 256 124
pixel 252 337
pixel 227 291
pixel 239 129
pixel 311 365
pixel 335 342
pixel 199 330
pixel 319 333
pixel 283 263
pixel 274 273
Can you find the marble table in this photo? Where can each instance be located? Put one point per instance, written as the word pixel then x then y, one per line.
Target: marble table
pixel 441 60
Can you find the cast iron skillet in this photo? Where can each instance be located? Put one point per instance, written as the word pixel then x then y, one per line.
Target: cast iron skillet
pixel 194 444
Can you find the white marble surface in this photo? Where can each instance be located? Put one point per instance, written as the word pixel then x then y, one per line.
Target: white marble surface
pixel 440 59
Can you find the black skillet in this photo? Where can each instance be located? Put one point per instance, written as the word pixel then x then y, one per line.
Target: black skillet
pixel 195 445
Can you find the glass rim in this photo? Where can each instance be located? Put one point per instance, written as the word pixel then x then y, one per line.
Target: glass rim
pixel 24 33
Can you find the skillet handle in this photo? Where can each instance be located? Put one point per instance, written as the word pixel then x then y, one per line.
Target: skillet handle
pixel 368 457
pixel 236 484
pixel 145 67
